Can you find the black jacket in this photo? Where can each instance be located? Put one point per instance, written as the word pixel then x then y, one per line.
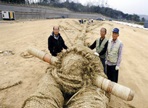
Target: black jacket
pixel 56 45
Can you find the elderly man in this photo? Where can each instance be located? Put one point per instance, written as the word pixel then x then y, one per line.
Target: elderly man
pixel 56 42
pixel 114 54
pixel 101 46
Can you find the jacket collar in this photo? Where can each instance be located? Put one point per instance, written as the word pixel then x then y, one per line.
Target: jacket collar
pixel 114 41
pixel 56 37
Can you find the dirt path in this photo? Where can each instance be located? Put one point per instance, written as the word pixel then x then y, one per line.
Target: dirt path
pixel 18 36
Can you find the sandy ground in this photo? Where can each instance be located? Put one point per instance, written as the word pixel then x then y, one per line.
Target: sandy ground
pixel 18 36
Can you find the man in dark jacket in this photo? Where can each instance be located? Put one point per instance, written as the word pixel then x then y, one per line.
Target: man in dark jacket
pixel 56 42
pixel 101 46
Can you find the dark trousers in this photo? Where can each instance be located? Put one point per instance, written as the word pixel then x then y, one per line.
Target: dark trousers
pixel 103 63
pixel 112 73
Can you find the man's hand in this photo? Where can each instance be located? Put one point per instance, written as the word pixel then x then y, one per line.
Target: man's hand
pixel 117 68
pixel 64 50
pixel 106 62
pixel 54 60
pixel 96 54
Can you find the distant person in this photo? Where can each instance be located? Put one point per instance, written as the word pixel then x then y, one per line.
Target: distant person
pixel 101 46
pixel 114 54
pixel 90 21
pixel 81 21
pixel 56 42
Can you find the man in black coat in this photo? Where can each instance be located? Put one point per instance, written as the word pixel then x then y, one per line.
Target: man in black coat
pixel 56 42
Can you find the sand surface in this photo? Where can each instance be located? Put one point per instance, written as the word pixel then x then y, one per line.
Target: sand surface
pixel 16 37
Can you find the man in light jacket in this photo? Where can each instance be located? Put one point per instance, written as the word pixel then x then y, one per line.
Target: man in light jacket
pixel 114 55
